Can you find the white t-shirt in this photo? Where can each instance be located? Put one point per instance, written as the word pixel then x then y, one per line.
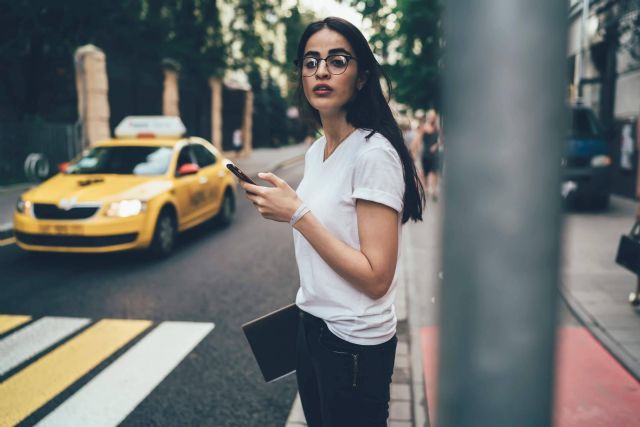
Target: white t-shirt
pixel 358 169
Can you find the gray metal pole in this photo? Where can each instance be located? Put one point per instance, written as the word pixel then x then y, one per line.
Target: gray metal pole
pixel 504 105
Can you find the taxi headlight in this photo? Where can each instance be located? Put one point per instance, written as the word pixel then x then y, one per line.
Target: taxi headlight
pixel 601 161
pixel 125 208
pixel 23 206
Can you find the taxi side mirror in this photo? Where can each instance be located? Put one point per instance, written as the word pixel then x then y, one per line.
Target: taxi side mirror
pixel 63 167
pixel 188 169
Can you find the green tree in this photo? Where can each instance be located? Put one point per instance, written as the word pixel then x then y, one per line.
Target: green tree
pixel 409 38
pixel 36 35
pixel 295 25
pixel 269 107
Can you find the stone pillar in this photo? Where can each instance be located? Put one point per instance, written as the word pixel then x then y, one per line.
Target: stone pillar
pixel 93 93
pixel 216 112
pixel 247 125
pixel 170 94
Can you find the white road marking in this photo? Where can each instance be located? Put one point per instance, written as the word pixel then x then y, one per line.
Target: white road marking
pixel 108 398
pixel 33 339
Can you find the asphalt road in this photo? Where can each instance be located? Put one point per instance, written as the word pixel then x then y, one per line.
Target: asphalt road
pixel 224 276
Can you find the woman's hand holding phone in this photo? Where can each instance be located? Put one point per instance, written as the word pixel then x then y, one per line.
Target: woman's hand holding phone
pixel 277 203
pixel 238 173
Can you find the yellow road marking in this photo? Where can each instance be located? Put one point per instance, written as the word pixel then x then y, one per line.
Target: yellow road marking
pixel 8 321
pixel 35 385
pixel 7 242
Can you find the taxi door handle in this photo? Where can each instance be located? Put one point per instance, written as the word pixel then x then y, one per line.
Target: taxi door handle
pixel 203 180
pixel 221 174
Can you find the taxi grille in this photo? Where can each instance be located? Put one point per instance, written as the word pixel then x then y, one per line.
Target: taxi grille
pixel 50 211
pixel 75 241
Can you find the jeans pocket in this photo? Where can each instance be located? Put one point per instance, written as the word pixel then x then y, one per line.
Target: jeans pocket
pixel 345 354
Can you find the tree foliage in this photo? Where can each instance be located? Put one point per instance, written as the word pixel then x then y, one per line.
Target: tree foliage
pixel 295 25
pixel 408 36
pixel 36 34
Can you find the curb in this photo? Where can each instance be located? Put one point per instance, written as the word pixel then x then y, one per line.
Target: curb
pixel 595 328
pixel 6 231
pixel 418 393
pixel 12 187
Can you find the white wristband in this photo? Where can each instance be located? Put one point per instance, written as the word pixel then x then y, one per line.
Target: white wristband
pixel 299 213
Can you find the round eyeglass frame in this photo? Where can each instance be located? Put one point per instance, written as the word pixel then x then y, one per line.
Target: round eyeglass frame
pixel 299 64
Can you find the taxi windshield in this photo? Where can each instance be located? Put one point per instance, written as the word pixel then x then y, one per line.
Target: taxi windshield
pixel 123 160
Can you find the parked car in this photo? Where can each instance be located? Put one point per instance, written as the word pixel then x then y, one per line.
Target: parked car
pixel 586 161
pixel 136 191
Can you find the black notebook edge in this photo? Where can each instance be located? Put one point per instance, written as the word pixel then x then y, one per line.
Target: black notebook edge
pixel 251 322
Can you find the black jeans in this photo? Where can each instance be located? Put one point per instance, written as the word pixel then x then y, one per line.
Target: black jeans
pixel 340 383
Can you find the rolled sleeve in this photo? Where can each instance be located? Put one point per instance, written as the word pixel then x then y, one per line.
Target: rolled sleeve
pixel 378 177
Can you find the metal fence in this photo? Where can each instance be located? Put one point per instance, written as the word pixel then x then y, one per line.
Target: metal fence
pixel 55 143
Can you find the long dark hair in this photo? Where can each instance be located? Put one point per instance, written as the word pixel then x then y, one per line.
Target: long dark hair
pixel 368 109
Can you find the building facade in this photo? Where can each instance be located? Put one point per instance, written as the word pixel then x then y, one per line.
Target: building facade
pixel 604 74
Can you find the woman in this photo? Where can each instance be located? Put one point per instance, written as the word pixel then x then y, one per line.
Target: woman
pixel 359 186
pixel 429 142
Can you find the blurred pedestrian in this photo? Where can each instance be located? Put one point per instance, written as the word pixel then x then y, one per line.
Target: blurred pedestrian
pixel 359 187
pixel 409 134
pixel 429 142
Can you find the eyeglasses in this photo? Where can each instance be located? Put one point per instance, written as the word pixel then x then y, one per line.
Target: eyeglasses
pixel 336 64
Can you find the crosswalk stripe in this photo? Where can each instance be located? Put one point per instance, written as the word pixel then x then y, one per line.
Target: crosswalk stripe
pixel 33 339
pixel 10 321
pixel 32 387
pixel 109 397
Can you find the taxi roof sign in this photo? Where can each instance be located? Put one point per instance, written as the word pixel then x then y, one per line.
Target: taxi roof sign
pixel 150 127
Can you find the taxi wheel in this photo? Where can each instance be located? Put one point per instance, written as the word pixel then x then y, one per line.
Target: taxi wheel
pixel 164 236
pixel 227 210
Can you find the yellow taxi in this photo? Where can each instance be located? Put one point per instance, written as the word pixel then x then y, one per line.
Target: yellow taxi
pixel 137 191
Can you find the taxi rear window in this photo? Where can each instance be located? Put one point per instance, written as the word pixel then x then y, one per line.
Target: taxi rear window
pixel 123 160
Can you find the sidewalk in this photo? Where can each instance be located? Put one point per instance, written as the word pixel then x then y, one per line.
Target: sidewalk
pixel 595 287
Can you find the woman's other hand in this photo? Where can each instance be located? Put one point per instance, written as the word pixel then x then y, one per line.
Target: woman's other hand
pixel 277 203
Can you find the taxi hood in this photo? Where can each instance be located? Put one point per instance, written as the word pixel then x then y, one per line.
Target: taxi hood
pixel 98 188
